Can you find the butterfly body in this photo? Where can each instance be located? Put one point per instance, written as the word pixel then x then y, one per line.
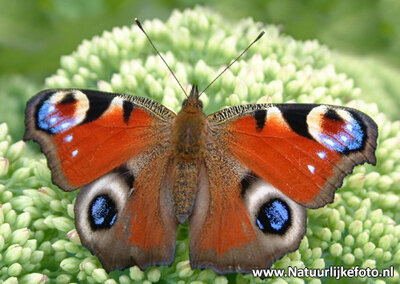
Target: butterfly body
pixel 242 177
pixel 188 145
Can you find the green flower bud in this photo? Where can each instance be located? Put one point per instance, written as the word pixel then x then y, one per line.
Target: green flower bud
pixel 34 278
pixel 358 253
pixel 63 224
pixel 124 279
pixel 5 230
pixel 16 150
pixel 4 147
pixel 12 254
pixel 63 278
pixel 37 256
pixel 26 255
pixel 59 245
pixel 88 266
pixel 69 64
pixel 378 253
pixel 4 165
pixel 20 236
pixel 387 256
pixel 23 220
pixel 21 174
pixel 318 264
pixel 100 275
pixel 2 243
pixel 220 280
pixel 154 275
pixel 356 181
pixel 11 217
pixel 3 131
pixel 82 276
pixel 206 275
pixel 362 238
pixel 385 242
pixel 348 259
pixel 21 202
pixel 60 255
pixel 336 249
pixel 361 214
pixel 135 273
pixel 369 263
pixel 14 269
pixel 385 182
pixel 70 264
pixel 40 224
pixel 369 248
pixel 11 280
pixel 356 227
pixel 56 206
pixel 371 179
pixel 184 269
pixel 316 253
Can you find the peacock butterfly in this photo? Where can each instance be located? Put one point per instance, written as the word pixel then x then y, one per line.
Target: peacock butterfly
pixel 242 177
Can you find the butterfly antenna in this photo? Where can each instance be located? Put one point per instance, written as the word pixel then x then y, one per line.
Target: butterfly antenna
pixel 237 58
pixel 159 54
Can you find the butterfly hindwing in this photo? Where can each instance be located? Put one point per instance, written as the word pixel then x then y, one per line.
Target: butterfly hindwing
pixel 240 222
pixel 86 133
pixel 304 150
pixel 126 217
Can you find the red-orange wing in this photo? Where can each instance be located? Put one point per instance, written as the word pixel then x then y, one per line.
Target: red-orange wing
pixel 304 150
pixel 86 133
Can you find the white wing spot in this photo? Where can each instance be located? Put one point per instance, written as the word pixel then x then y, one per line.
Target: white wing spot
pixel 329 142
pixel 74 153
pixel 321 154
pixel 349 127
pixel 68 138
pixel 311 168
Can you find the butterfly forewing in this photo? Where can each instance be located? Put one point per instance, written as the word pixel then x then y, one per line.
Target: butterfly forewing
pixel 86 133
pixel 304 150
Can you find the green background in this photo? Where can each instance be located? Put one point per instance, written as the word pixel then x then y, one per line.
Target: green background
pixel 35 33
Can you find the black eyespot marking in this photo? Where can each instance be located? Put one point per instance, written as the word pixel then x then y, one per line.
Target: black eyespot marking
pixel 102 212
pixel 127 175
pixel 246 182
pixel 98 104
pixel 274 217
pixel 68 99
pixel 259 116
pixel 296 117
pixel 332 114
pixel 127 108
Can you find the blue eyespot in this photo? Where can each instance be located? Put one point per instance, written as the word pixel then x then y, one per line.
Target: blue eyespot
pixel 50 119
pixel 350 137
pixel 102 212
pixel 274 217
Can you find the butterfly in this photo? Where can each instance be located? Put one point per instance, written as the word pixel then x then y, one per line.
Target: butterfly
pixel 241 177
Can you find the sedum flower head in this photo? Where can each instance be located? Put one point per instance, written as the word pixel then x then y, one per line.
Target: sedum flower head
pixel 38 242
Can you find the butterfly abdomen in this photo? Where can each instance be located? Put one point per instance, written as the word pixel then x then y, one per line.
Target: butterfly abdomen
pixel 188 146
